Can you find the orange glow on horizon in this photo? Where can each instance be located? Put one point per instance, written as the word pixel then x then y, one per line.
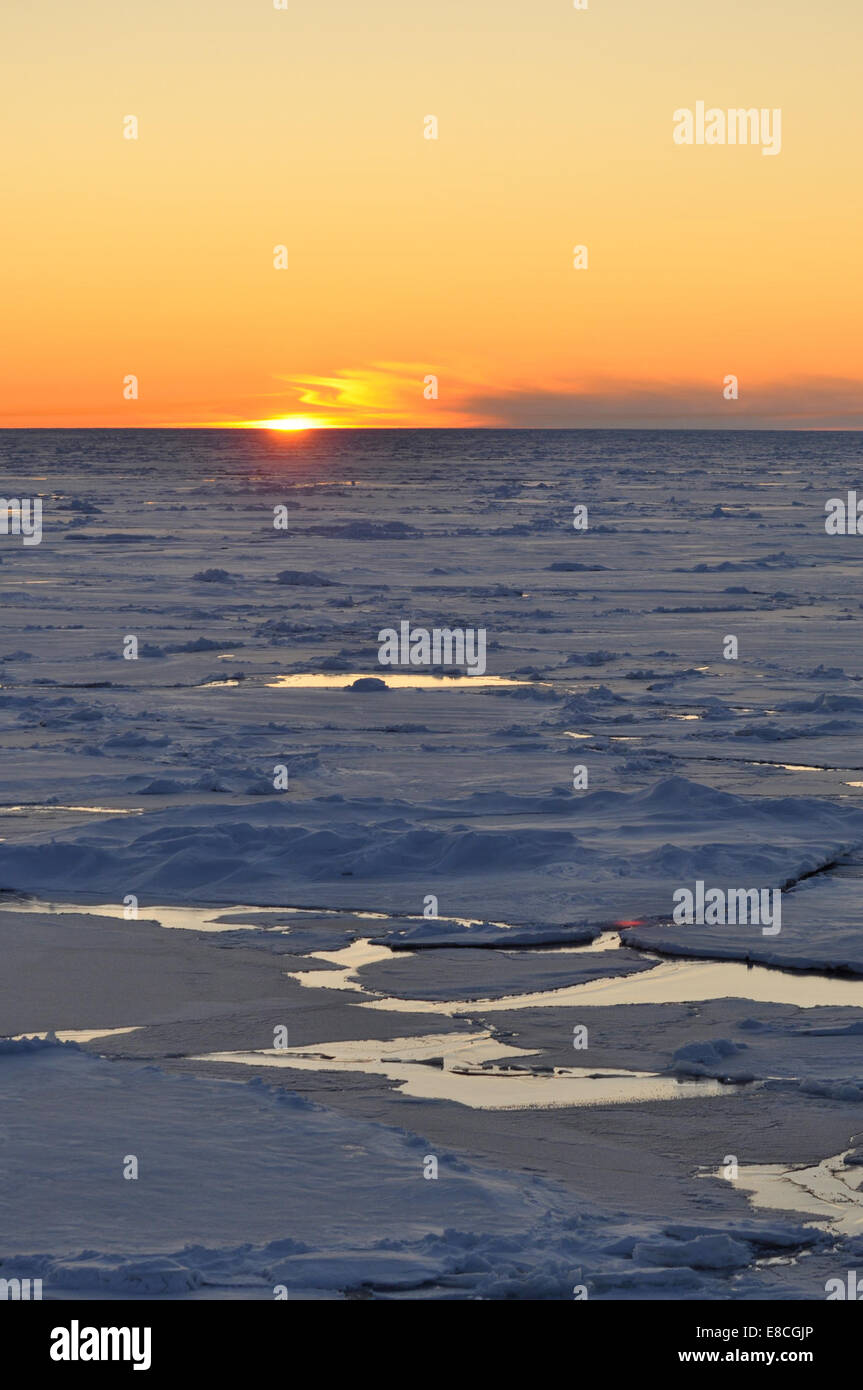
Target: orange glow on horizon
pixel 287 422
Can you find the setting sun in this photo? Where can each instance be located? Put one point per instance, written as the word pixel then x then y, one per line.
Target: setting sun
pixel 289 422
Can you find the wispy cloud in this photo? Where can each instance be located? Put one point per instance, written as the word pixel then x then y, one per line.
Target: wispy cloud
pixel 380 395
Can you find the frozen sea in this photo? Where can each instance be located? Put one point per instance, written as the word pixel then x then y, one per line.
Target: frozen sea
pixel 330 990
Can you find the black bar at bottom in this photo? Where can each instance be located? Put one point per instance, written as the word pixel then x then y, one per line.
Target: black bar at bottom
pixel 224 1338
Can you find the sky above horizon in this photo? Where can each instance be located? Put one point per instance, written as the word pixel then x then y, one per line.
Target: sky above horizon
pixel 411 258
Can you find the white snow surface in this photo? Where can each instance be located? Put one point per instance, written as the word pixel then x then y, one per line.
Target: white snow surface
pixel 154 778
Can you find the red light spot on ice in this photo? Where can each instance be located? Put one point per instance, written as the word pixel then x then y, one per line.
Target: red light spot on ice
pixel 636 922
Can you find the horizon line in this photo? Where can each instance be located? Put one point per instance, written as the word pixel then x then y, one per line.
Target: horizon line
pixel 457 429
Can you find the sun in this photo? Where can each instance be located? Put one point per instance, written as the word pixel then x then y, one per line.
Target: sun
pixel 289 422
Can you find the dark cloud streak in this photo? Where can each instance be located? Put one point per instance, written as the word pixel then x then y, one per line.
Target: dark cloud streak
pixel 826 403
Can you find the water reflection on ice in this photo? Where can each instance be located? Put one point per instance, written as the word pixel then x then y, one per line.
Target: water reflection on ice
pixel 454 1067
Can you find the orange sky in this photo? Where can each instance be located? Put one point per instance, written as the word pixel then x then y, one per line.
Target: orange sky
pixel 409 257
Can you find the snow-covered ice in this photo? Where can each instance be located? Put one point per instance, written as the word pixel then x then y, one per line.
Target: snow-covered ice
pixel 283 821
